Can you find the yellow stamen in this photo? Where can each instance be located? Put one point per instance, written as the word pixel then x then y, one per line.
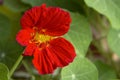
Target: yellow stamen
pixel 42 38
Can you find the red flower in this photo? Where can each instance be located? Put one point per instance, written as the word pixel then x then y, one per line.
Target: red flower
pixel 41 28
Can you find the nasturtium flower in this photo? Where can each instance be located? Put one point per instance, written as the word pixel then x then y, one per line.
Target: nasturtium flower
pixel 41 33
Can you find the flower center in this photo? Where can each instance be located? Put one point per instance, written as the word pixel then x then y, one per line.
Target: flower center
pixel 42 38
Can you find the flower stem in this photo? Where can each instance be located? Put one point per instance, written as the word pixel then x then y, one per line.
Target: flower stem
pixel 15 65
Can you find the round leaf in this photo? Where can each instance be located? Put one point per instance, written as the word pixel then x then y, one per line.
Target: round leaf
pixel 4 72
pixel 109 8
pixel 80 69
pixel 79 34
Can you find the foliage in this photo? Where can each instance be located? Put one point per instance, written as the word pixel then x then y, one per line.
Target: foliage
pixel 94 32
pixel 4 72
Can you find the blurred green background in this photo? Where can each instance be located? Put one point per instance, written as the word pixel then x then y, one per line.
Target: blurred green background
pixel 94 32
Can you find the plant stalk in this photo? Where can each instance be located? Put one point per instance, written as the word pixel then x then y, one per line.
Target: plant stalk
pixel 15 65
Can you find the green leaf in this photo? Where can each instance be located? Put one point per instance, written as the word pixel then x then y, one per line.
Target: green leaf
pixel 15 5
pixel 109 8
pixel 105 71
pixel 80 69
pixel 114 40
pixel 79 34
pixel 4 72
pixel 9 49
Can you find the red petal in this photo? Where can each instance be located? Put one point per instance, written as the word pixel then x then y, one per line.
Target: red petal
pixel 61 51
pixel 52 21
pixel 31 17
pixel 24 36
pixel 42 62
pixel 29 50
pixel 56 22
